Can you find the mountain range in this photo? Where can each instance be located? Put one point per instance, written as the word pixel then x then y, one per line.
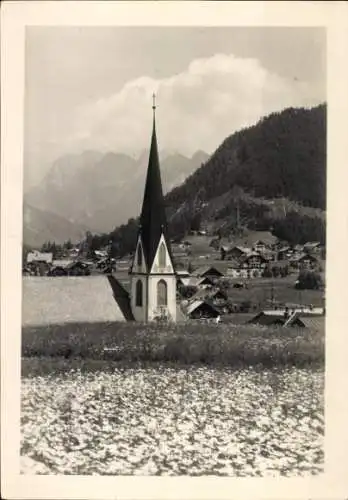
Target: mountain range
pixel 96 192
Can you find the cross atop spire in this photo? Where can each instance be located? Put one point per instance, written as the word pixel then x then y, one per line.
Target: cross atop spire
pixel 154 102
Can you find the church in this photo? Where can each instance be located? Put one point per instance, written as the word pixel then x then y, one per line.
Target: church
pixel 152 272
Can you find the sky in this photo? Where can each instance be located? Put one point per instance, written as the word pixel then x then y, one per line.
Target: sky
pixel 90 88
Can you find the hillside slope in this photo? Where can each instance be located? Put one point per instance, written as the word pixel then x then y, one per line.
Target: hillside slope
pixel 42 226
pixel 284 155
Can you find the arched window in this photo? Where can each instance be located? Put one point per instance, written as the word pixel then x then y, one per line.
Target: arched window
pixel 162 255
pixel 162 298
pixel 139 256
pixel 139 293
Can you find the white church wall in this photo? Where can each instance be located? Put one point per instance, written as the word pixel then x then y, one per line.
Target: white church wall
pixel 153 308
pixel 139 313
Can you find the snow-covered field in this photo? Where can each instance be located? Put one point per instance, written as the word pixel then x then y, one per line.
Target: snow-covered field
pixel 171 421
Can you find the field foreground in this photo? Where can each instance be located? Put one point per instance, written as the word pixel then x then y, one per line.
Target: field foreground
pixel 166 420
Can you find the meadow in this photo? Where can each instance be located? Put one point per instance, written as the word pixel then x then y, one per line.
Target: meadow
pixel 187 343
pixel 107 419
pixel 184 399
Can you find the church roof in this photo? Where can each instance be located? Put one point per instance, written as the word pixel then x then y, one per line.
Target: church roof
pixel 153 217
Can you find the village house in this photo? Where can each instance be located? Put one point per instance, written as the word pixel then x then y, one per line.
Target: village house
pixel 252 265
pixel 235 271
pixel 215 243
pixel 215 297
pixel 182 273
pixel 234 252
pixel 187 287
pixel 290 317
pixel 313 247
pixel 260 247
pixel 194 281
pixel 179 252
pixel 123 264
pixel 101 254
pixel 298 249
pixel 58 271
pixel 208 271
pixel 304 262
pixel 78 268
pixel 200 309
pixel 254 261
pixel 285 253
pixel 187 244
pixel 37 268
pixel 74 252
pixel 36 256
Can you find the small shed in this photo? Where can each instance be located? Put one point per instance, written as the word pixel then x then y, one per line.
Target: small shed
pixel 200 309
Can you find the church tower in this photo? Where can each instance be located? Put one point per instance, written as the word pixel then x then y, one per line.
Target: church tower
pixel 152 273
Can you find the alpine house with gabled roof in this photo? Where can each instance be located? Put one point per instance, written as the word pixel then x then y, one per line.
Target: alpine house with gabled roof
pixel 152 273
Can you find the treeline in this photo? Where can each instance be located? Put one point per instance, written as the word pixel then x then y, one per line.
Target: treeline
pixel 56 248
pixel 299 229
pixel 119 242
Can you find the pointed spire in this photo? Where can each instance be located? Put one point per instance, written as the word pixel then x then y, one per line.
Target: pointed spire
pixel 153 218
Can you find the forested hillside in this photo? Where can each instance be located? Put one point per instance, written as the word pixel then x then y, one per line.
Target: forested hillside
pixel 271 176
pixel 283 155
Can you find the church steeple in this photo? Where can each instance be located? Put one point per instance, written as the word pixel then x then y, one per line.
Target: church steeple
pixel 153 277
pixel 153 218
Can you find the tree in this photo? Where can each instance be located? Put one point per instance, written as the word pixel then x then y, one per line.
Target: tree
pixel 309 280
pixel 196 222
pixel 68 245
pixel 267 272
pixel 245 306
pixel 275 271
pixel 284 271
pixel 223 253
pixel 190 267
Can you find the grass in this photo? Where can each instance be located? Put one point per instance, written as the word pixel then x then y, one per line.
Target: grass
pixel 195 343
pixel 259 292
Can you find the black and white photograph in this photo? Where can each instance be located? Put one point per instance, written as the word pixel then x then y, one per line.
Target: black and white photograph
pixel 173 257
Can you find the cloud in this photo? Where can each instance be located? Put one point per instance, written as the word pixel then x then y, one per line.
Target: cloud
pixel 197 108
